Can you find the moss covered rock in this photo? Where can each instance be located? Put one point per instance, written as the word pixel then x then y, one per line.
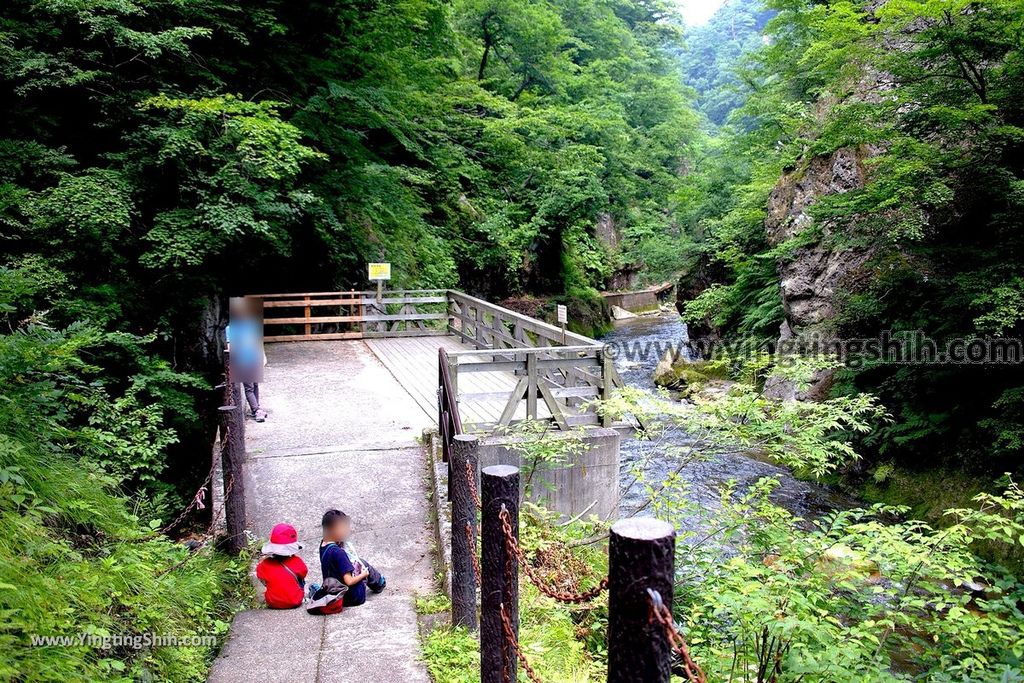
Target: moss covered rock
pixel 679 374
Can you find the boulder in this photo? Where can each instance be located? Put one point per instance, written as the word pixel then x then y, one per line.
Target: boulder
pixel 664 369
pixel 680 374
pixel 620 313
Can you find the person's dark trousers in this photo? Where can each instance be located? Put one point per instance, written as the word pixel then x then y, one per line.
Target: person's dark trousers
pixel 374 581
pixel 252 395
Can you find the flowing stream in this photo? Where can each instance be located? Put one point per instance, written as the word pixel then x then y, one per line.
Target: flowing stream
pixel 705 477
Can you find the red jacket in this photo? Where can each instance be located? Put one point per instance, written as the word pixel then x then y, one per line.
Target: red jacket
pixel 283 590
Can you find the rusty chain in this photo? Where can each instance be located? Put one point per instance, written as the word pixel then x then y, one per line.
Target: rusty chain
pixel 515 551
pixel 660 614
pixel 511 639
pixel 510 636
pixel 197 503
pixel 209 534
pixel 471 544
pixel 198 499
pixel 471 481
pixel 472 552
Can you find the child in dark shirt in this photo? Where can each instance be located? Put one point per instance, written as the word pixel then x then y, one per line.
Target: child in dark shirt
pixel 339 560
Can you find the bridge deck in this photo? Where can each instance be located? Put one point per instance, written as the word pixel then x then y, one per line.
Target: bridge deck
pixel 500 367
pixel 413 362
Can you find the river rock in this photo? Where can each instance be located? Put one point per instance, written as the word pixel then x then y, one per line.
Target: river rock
pixel 664 368
pixel 677 373
pixel 843 562
pixel 620 313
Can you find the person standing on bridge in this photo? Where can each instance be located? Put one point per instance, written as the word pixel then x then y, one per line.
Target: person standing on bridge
pixel 244 333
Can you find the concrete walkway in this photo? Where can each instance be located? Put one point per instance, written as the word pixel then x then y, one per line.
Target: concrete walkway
pixel 341 433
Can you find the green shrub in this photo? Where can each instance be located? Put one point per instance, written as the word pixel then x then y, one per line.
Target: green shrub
pixel 75 559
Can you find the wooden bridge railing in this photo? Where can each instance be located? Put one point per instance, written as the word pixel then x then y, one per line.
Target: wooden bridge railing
pixel 559 372
pixel 556 372
pixel 449 421
pixel 354 314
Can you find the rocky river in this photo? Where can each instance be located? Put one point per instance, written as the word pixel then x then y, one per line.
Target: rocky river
pixel 640 343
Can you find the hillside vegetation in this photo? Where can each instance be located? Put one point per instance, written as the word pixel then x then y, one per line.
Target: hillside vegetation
pixel 871 183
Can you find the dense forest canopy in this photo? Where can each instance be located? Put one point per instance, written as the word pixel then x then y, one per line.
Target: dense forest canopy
pixel 159 155
pixel 225 138
pixel 712 57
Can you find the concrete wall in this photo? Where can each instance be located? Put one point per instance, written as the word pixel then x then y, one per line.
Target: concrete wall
pixel 636 302
pixel 590 483
pixel 593 479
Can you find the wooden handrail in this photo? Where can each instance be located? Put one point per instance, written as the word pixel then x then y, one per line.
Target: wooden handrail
pixel 533 323
pixel 523 350
pixel 368 293
pixel 449 422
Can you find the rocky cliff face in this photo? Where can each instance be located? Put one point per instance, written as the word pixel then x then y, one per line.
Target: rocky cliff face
pixel 609 234
pixel 812 276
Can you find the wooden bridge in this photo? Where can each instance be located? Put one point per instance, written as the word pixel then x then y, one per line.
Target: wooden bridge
pixel 475 365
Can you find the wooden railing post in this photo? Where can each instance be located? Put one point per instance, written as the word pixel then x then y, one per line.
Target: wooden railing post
pixel 463 466
pixel 453 373
pixel 607 372
pixel 307 314
pixel 641 556
pixel 531 387
pixel 362 314
pixel 500 574
pixel 232 465
pixel 478 329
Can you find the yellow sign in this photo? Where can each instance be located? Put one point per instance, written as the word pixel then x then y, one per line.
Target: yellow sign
pixel 380 271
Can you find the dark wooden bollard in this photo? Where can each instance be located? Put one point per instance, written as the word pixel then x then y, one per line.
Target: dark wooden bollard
pixel 641 555
pixel 232 464
pixel 500 574
pixel 464 452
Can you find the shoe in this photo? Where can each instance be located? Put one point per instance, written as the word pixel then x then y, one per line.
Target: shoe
pixel 260 415
pixel 379 587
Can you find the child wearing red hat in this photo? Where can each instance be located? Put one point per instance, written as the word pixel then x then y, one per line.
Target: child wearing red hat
pixel 282 571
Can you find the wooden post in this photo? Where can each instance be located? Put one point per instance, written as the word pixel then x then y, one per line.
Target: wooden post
pixel 232 464
pixel 641 555
pixel 362 312
pixel 453 375
pixel 464 456
pixel 307 313
pixel 531 387
pixel 478 329
pixel 500 574
pixel 607 372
